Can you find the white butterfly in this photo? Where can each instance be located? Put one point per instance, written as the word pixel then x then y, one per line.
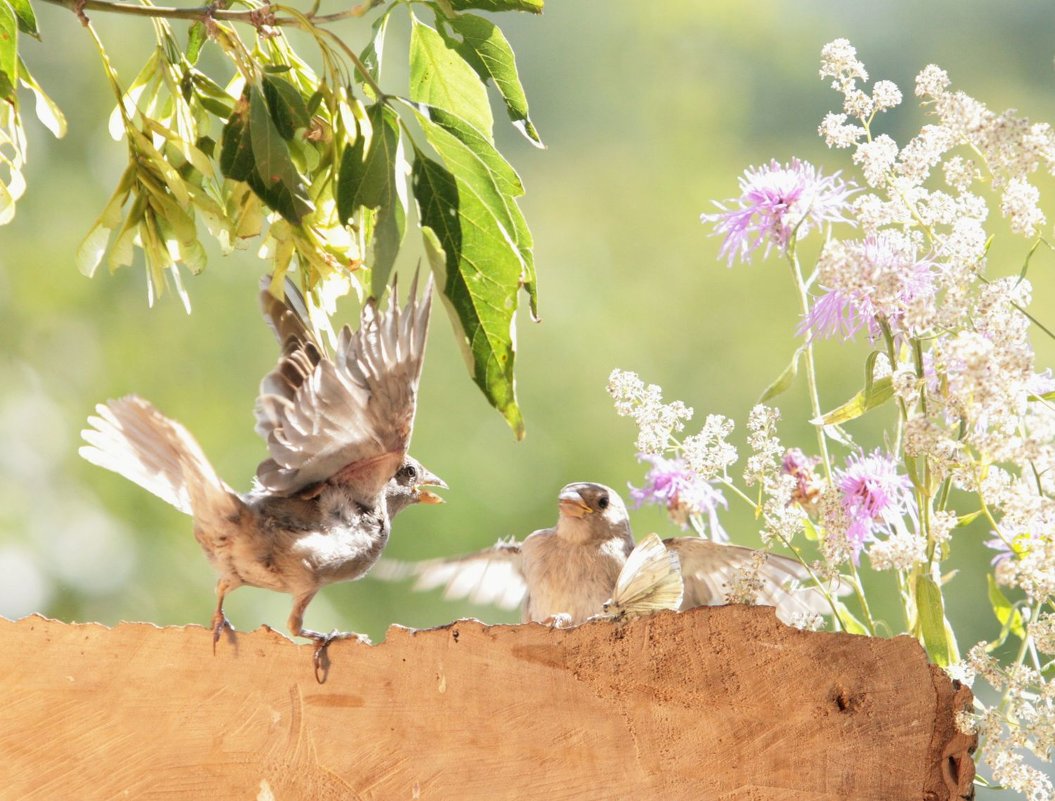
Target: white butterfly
pixel 649 581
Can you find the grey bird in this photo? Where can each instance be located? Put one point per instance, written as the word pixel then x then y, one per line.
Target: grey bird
pixel 564 575
pixel 337 430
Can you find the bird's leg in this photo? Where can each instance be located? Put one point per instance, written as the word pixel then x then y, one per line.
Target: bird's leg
pixel 219 619
pixel 322 641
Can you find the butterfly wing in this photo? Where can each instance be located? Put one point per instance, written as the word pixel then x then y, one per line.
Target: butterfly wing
pixel 649 581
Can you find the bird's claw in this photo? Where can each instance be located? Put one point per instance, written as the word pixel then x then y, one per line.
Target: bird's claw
pixel 219 623
pixel 322 642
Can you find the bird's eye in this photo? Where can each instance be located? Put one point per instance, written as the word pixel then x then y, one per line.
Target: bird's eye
pixel 408 471
pixel 602 502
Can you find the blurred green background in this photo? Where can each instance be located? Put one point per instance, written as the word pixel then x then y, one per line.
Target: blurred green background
pixel 649 112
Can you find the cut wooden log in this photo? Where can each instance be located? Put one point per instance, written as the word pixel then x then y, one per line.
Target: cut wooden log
pixel 715 703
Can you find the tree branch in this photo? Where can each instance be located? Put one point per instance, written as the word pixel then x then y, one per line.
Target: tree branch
pixel 212 11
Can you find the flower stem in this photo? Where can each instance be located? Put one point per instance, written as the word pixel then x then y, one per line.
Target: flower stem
pixel 869 621
pixel 739 493
pixel 816 580
pixel 811 371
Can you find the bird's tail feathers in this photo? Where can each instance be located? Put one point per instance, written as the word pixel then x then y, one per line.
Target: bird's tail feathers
pixel 133 439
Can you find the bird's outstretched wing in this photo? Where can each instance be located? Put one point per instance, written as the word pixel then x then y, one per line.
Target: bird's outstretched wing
pixel 708 567
pixel 289 320
pixel 491 576
pixel 649 581
pixel 349 418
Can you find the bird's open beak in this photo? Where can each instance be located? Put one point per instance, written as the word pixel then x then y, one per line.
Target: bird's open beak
pixel 430 480
pixel 572 504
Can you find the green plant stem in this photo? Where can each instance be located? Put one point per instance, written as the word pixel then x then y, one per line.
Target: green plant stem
pixel 816 581
pixel 252 16
pixel 740 494
pixel 862 600
pixel 811 371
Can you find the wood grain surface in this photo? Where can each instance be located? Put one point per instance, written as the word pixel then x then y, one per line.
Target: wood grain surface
pixel 715 703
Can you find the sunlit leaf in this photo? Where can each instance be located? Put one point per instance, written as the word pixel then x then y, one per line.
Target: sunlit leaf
pixel 1009 617
pixel 197 36
pixel 441 77
pixel 7 205
pixel 252 151
pixel 476 161
pixel 91 250
pixel 479 275
pixel 372 177
pixel 931 608
pixel 27 19
pixel 534 6
pixel 236 150
pixel 47 111
pixel 144 81
pixel 783 381
pixel 849 623
pixel 372 57
pixel 486 50
pixel 286 105
pixel 9 51
pixel 879 393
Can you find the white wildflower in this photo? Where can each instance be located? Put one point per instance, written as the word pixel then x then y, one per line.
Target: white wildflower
pixel 1010 770
pixel 837 133
pixel 876 158
pixel 960 173
pixel 1043 632
pixel 932 82
pixel 1019 204
pixel 656 421
pixel 746 581
pixel 708 453
pixel 885 95
pixel 902 550
pixel 766 450
pixel 839 61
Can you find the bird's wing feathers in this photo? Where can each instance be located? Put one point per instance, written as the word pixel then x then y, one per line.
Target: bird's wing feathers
pixel 491 576
pixel 288 316
pixel 349 418
pixel 708 567
pixel 649 581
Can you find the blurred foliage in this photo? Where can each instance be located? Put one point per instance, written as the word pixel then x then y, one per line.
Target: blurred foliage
pixel 649 113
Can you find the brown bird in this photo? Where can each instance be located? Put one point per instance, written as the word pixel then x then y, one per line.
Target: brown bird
pixel 565 574
pixel 337 430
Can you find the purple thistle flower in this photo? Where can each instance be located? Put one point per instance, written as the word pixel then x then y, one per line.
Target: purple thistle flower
pixel 672 484
pixel 1022 544
pixel 881 277
pixel 778 202
pixel 874 496
pixel 835 312
pixel 1003 550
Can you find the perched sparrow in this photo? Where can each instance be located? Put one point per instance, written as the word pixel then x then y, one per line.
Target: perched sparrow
pixel 337 430
pixel 566 574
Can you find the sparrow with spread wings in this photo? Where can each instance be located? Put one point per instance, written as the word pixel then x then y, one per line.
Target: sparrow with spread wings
pixel 564 575
pixel 337 429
